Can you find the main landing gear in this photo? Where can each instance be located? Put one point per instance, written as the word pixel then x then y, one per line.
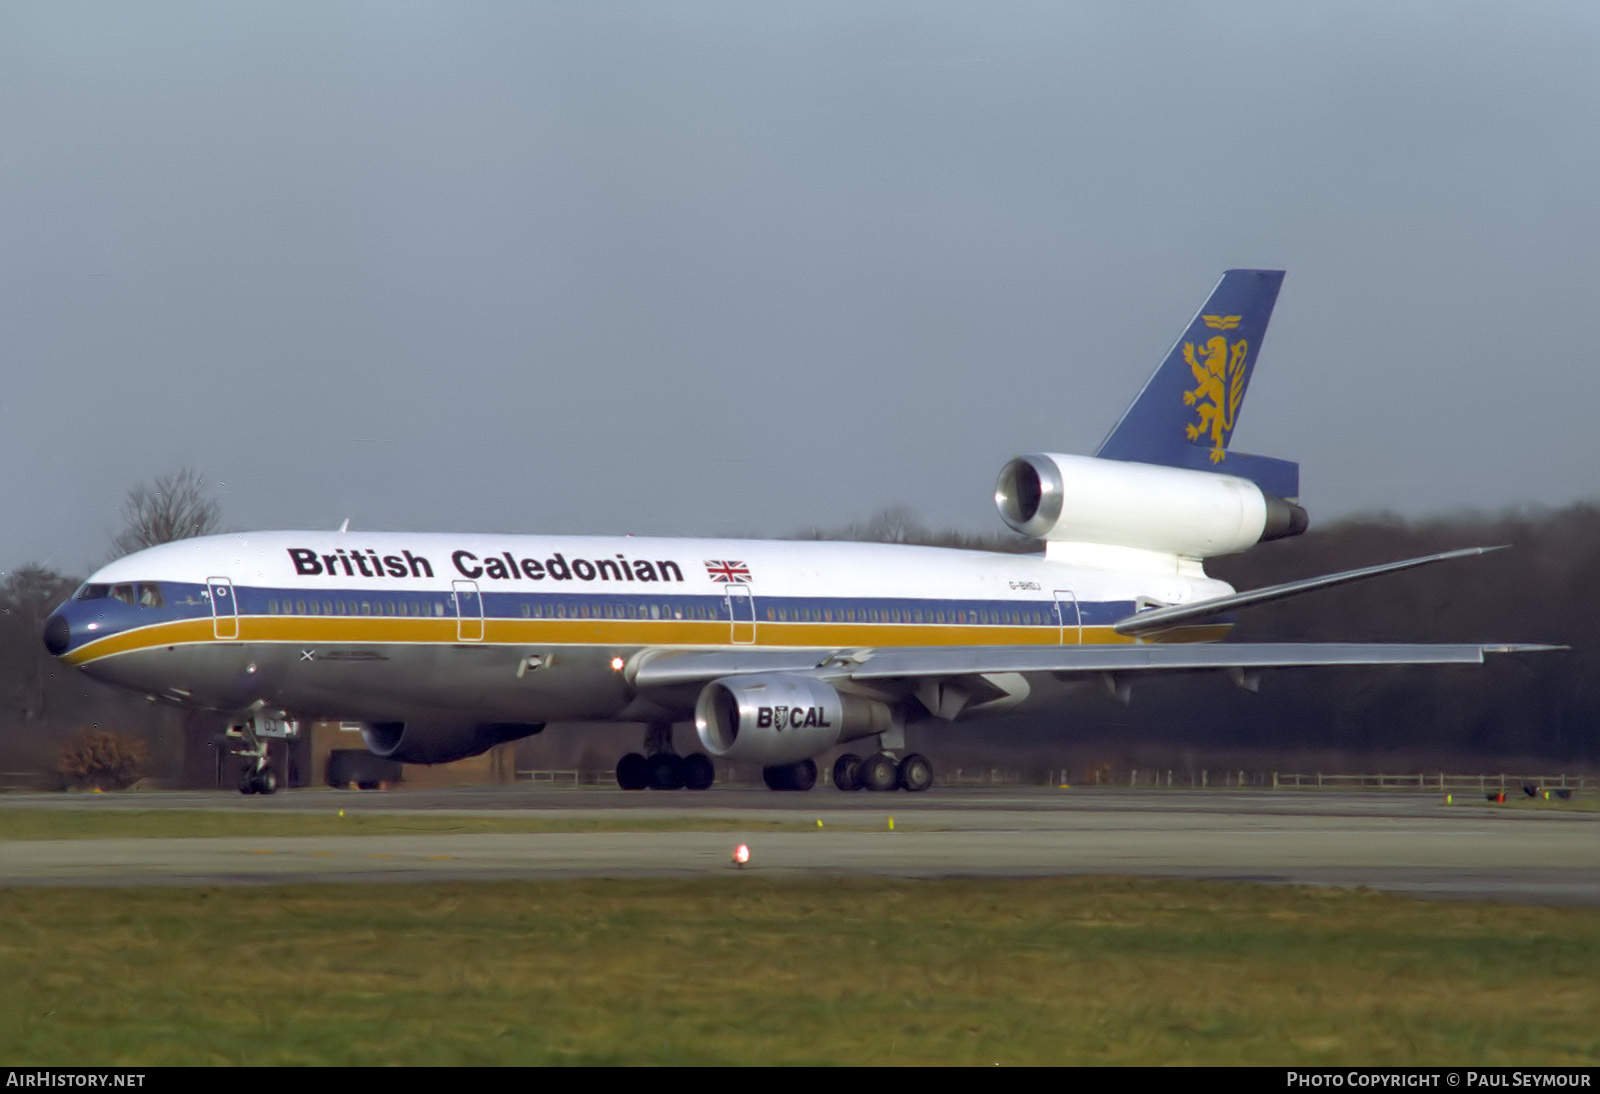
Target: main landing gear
pixel 800 776
pixel 880 772
pixel 661 768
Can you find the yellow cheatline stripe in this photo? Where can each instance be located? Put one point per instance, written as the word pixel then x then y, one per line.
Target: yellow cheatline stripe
pixel 383 630
pixel 174 633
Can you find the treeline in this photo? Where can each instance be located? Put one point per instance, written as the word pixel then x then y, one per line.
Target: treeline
pixel 1516 710
pixel 1544 587
pixel 1521 709
pixel 42 705
pixel 45 707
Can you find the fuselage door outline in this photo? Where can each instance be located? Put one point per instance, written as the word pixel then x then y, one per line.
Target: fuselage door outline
pixel 224 607
pixel 1069 618
pixel 469 610
pixel 741 614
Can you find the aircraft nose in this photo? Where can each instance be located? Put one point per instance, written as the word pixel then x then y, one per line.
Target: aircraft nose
pixel 57 635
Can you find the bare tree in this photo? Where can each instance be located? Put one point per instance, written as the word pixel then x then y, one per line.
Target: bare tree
pixel 175 506
pixel 28 595
pixel 899 524
pixel 891 524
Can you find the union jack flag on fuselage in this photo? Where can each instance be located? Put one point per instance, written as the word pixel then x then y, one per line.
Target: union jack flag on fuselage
pixel 725 571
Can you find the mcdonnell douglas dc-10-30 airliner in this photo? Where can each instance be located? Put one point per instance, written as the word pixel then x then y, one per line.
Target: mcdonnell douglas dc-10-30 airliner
pixel 443 645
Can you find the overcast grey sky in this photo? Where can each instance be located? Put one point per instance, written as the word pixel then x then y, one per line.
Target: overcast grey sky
pixel 745 268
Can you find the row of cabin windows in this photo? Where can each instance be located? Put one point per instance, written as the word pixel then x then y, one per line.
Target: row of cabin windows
pixel 414 608
pixel 612 610
pixel 439 609
pixel 902 615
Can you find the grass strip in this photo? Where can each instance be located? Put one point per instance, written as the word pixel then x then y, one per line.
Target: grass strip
pixel 34 823
pixel 749 970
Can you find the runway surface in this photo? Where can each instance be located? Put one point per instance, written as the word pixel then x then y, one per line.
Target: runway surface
pixel 1404 842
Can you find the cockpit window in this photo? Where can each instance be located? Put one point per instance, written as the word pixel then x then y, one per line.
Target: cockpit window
pixel 123 593
pixel 94 592
pixel 150 595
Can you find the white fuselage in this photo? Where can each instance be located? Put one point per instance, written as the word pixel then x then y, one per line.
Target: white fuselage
pixel 387 625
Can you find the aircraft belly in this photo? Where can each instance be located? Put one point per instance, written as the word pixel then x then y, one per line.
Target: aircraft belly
pixel 385 682
pixel 216 676
pixel 489 682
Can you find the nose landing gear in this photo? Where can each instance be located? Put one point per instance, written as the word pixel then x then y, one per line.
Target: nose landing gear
pixel 253 781
pixel 249 738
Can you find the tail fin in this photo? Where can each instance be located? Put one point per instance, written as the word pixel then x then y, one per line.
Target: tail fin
pixel 1186 414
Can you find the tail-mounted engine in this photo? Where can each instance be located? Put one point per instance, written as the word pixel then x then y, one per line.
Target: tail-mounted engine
pixel 1195 514
pixel 773 718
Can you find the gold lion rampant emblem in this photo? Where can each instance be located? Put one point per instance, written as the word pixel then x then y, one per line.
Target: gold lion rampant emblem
pixel 1219 375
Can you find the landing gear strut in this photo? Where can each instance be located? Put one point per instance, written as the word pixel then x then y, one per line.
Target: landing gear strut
pixel 659 767
pixel 249 738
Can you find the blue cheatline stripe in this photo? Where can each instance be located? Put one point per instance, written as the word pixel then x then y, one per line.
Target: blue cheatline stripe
pixel 780 620
pixel 500 605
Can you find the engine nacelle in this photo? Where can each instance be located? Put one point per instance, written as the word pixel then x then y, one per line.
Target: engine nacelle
pixel 774 718
pixel 439 742
pixel 1196 514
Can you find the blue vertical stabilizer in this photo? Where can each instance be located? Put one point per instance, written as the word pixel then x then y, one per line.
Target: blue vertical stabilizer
pixel 1186 414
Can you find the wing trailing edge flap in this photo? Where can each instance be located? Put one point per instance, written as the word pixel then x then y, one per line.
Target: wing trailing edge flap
pixel 989 670
pixel 1160 619
pixel 1073 660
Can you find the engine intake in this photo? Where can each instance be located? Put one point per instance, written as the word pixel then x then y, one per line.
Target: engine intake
pixel 775 718
pixel 1196 514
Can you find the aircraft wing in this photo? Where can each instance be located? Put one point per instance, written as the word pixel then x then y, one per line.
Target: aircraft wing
pixel 671 668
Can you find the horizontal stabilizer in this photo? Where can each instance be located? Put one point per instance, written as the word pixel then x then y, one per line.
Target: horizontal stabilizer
pixel 1160 619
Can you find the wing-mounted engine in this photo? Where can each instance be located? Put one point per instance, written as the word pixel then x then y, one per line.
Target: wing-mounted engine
pixel 1172 510
pixel 775 718
pixel 440 742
